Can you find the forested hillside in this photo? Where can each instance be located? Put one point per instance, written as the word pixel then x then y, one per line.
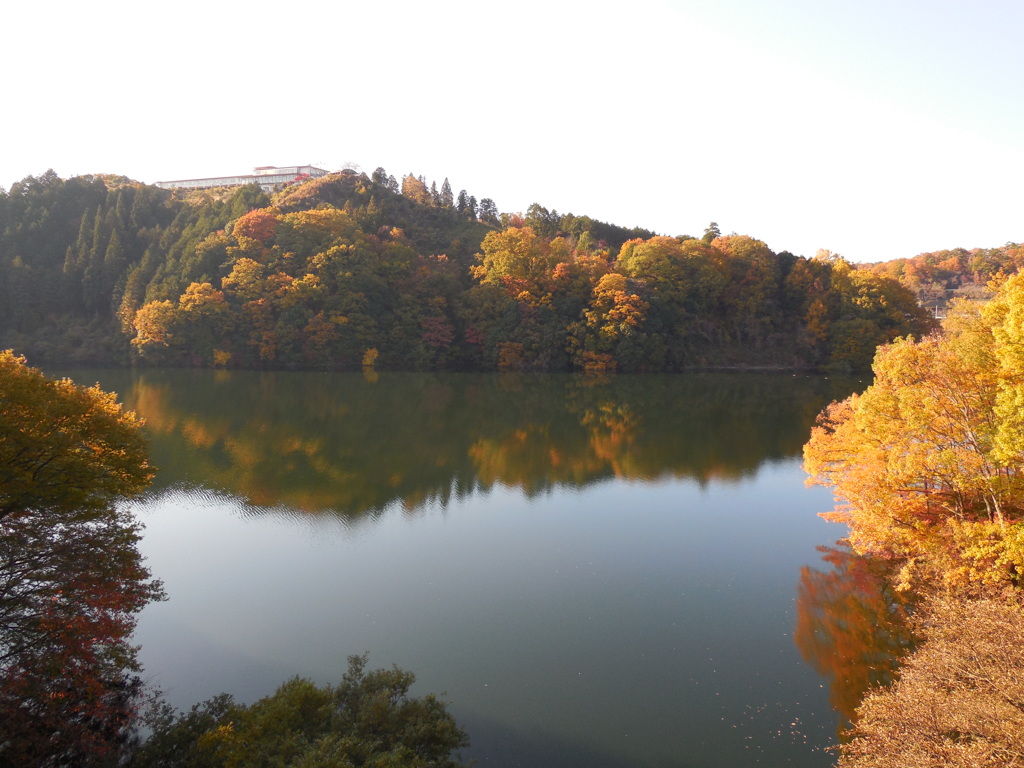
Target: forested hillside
pixel 351 270
pixel 939 277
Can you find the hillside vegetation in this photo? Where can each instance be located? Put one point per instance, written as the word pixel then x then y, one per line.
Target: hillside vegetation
pixel 349 269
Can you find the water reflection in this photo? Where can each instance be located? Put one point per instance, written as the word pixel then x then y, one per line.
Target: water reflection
pixel 852 625
pixel 611 580
pixel 342 443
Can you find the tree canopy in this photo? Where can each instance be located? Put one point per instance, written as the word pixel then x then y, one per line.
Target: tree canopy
pixel 368 719
pixel 66 449
pixel 71 576
pixel 928 460
pixel 321 272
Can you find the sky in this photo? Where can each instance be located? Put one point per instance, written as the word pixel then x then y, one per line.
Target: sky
pixel 876 129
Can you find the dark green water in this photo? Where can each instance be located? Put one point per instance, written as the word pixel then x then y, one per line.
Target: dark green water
pixel 599 574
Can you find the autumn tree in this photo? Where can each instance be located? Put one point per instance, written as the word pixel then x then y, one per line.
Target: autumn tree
pixel 206 318
pixel 811 305
pixel 259 225
pixel 156 326
pixel 926 462
pixel 610 329
pixel 71 576
pixel 415 189
pixel 519 260
pixel 368 719
pixel 684 282
pixel 926 465
pixel 64 448
pixel 538 275
pixel 752 290
pixel 870 310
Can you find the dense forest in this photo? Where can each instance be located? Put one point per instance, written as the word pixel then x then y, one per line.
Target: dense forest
pixel 351 270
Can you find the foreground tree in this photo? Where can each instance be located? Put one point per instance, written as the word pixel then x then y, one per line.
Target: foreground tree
pixel 71 576
pixel 929 468
pixel 369 719
pixel 926 461
pixel 63 448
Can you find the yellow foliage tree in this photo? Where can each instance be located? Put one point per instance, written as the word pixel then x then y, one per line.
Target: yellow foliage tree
pixel 1006 316
pixel 64 447
pixel 927 461
pixel 156 327
pixel 521 262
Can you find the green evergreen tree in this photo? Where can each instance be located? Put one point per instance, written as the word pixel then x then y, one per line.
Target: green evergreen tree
pixel 85 238
pixel 71 283
pixel 122 210
pixel 113 266
pixel 98 244
pixel 141 215
pixel 489 212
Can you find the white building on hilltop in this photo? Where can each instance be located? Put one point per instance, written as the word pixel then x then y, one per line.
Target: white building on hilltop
pixel 267 176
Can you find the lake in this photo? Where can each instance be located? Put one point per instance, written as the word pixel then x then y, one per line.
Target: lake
pixel 597 573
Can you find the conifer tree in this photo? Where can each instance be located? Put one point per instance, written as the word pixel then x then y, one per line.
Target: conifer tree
pixel 84 241
pixel 488 211
pixel 98 244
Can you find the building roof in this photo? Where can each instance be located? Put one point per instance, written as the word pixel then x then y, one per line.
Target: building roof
pixel 267 176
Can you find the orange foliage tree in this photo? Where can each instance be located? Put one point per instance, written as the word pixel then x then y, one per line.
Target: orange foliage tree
pixel 259 225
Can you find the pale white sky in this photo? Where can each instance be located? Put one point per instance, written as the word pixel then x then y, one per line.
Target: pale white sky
pixel 877 129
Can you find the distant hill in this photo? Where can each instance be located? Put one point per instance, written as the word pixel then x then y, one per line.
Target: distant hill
pixel 349 270
pixel 938 278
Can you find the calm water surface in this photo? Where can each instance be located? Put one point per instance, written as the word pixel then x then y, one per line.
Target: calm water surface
pixel 597 574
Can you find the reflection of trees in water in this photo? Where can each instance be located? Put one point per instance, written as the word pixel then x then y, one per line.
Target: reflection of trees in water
pixel 68 594
pixel 852 626
pixel 340 442
pixel 71 577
